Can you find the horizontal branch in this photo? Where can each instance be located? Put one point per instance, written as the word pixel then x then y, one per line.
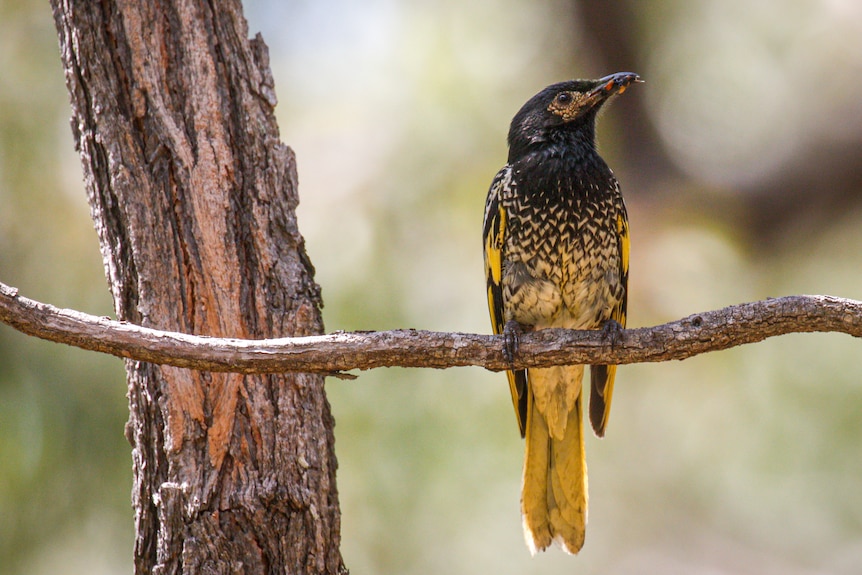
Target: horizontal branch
pixel 337 352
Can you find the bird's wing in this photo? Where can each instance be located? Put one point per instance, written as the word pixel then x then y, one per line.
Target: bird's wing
pixel 619 312
pixel 602 376
pixel 493 238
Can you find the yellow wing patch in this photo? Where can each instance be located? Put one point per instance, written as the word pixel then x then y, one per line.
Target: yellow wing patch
pixel 618 314
pixel 625 243
pixel 494 255
pixel 493 241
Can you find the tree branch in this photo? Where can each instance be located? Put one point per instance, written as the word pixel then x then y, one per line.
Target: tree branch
pixel 337 352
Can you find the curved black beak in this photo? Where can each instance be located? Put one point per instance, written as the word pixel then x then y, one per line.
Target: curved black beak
pixel 611 85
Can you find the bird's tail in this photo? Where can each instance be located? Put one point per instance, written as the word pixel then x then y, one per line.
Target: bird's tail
pixel 554 491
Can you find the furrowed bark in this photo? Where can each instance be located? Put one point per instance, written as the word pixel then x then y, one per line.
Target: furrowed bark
pixel 193 197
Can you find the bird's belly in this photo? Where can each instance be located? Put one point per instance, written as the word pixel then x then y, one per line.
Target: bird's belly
pixel 576 289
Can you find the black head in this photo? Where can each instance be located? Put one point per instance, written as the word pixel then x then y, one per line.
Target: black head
pixel 564 113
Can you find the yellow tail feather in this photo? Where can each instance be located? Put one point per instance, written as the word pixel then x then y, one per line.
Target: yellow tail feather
pixel 554 491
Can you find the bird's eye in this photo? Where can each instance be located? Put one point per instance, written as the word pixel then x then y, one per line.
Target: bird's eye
pixel 564 98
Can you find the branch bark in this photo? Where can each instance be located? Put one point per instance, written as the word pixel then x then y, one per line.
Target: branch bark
pixel 337 352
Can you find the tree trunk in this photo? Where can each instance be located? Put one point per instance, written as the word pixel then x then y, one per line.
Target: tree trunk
pixel 193 197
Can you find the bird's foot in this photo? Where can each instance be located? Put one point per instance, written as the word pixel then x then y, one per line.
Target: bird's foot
pixel 511 339
pixel 612 332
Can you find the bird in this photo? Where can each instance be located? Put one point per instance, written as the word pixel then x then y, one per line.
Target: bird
pixel 556 253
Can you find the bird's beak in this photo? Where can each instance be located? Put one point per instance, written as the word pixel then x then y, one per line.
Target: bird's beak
pixel 610 85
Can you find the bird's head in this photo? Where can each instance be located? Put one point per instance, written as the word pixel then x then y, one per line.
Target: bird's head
pixel 564 113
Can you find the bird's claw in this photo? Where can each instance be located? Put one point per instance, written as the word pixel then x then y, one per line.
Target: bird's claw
pixel 511 339
pixel 612 332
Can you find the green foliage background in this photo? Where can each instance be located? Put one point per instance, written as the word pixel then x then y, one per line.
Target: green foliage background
pixel 746 461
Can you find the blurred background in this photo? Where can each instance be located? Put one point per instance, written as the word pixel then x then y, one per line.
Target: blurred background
pixel 741 162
